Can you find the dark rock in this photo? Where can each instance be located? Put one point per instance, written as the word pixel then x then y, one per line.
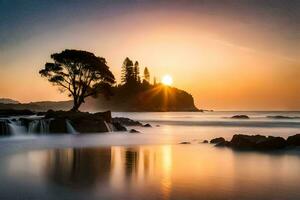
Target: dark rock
pixel 147 125
pixel 205 141
pixel 41 113
pixel 271 143
pixel 83 122
pixel 257 142
pixel 90 126
pixel 58 126
pixel 12 112
pixel 246 141
pixel 223 144
pixel 4 129
pixel 133 131
pixel 240 117
pixel 281 117
pixel 294 140
pixel 119 127
pixel 184 143
pixel 157 125
pixel 126 121
pixel 217 140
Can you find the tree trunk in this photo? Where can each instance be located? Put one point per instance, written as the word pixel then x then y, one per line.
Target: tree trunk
pixel 76 106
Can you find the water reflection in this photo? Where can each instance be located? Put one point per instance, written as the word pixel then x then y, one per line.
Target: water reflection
pixel 78 167
pixel 159 172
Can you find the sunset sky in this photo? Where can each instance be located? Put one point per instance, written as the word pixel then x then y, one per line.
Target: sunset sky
pixel 229 54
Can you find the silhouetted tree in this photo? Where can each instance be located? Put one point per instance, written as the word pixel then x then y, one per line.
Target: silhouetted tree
pixel 127 73
pixel 146 75
pixel 81 73
pixel 136 71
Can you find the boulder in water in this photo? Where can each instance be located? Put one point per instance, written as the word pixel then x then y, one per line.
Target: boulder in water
pixel 257 142
pixel 240 117
pixel 217 140
pixel 147 125
pixel 294 140
pixel 83 122
pixel 281 117
pixel 240 141
pixel 119 127
pixel 223 144
pixel 133 131
pixel 271 143
pixel 184 143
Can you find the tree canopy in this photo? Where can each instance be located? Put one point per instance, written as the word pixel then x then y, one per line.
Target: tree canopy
pixel 130 73
pixel 80 73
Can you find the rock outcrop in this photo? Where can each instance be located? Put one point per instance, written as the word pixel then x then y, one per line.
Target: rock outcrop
pixel 294 140
pixel 282 117
pixel 217 140
pixel 257 142
pixel 81 121
pixel 240 117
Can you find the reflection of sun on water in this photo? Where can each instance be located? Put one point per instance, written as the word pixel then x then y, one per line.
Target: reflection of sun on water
pixel 167 167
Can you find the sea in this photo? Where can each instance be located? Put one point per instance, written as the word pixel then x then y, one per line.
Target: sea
pixel 153 164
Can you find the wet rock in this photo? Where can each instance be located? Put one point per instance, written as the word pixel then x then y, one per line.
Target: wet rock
pixel 294 140
pixel 240 117
pixel 90 126
pixel 126 121
pixel 58 126
pixel 257 142
pixel 281 117
pixel 133 131
pixel 147 125
pixel 271 143
pixel 83 122
pixel 119 127
pixel 240 141
pixel 217 140
pixel 223 144
pixel 184 143
pixel 4 129
pixel 205 141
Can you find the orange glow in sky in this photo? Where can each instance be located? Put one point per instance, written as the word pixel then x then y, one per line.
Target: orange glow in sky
pixel 224 63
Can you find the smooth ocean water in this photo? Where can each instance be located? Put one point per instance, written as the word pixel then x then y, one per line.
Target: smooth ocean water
pixel 152 165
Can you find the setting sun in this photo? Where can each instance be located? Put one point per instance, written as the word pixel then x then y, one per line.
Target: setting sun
pixel 167 80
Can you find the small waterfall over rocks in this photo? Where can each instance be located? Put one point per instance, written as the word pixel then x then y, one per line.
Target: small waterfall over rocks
pixel 39 126
pixel 59 122
pixel 16 127
pixel 109 126
pixel 70 128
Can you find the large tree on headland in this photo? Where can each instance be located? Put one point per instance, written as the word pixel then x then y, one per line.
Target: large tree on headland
pixel 80 73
